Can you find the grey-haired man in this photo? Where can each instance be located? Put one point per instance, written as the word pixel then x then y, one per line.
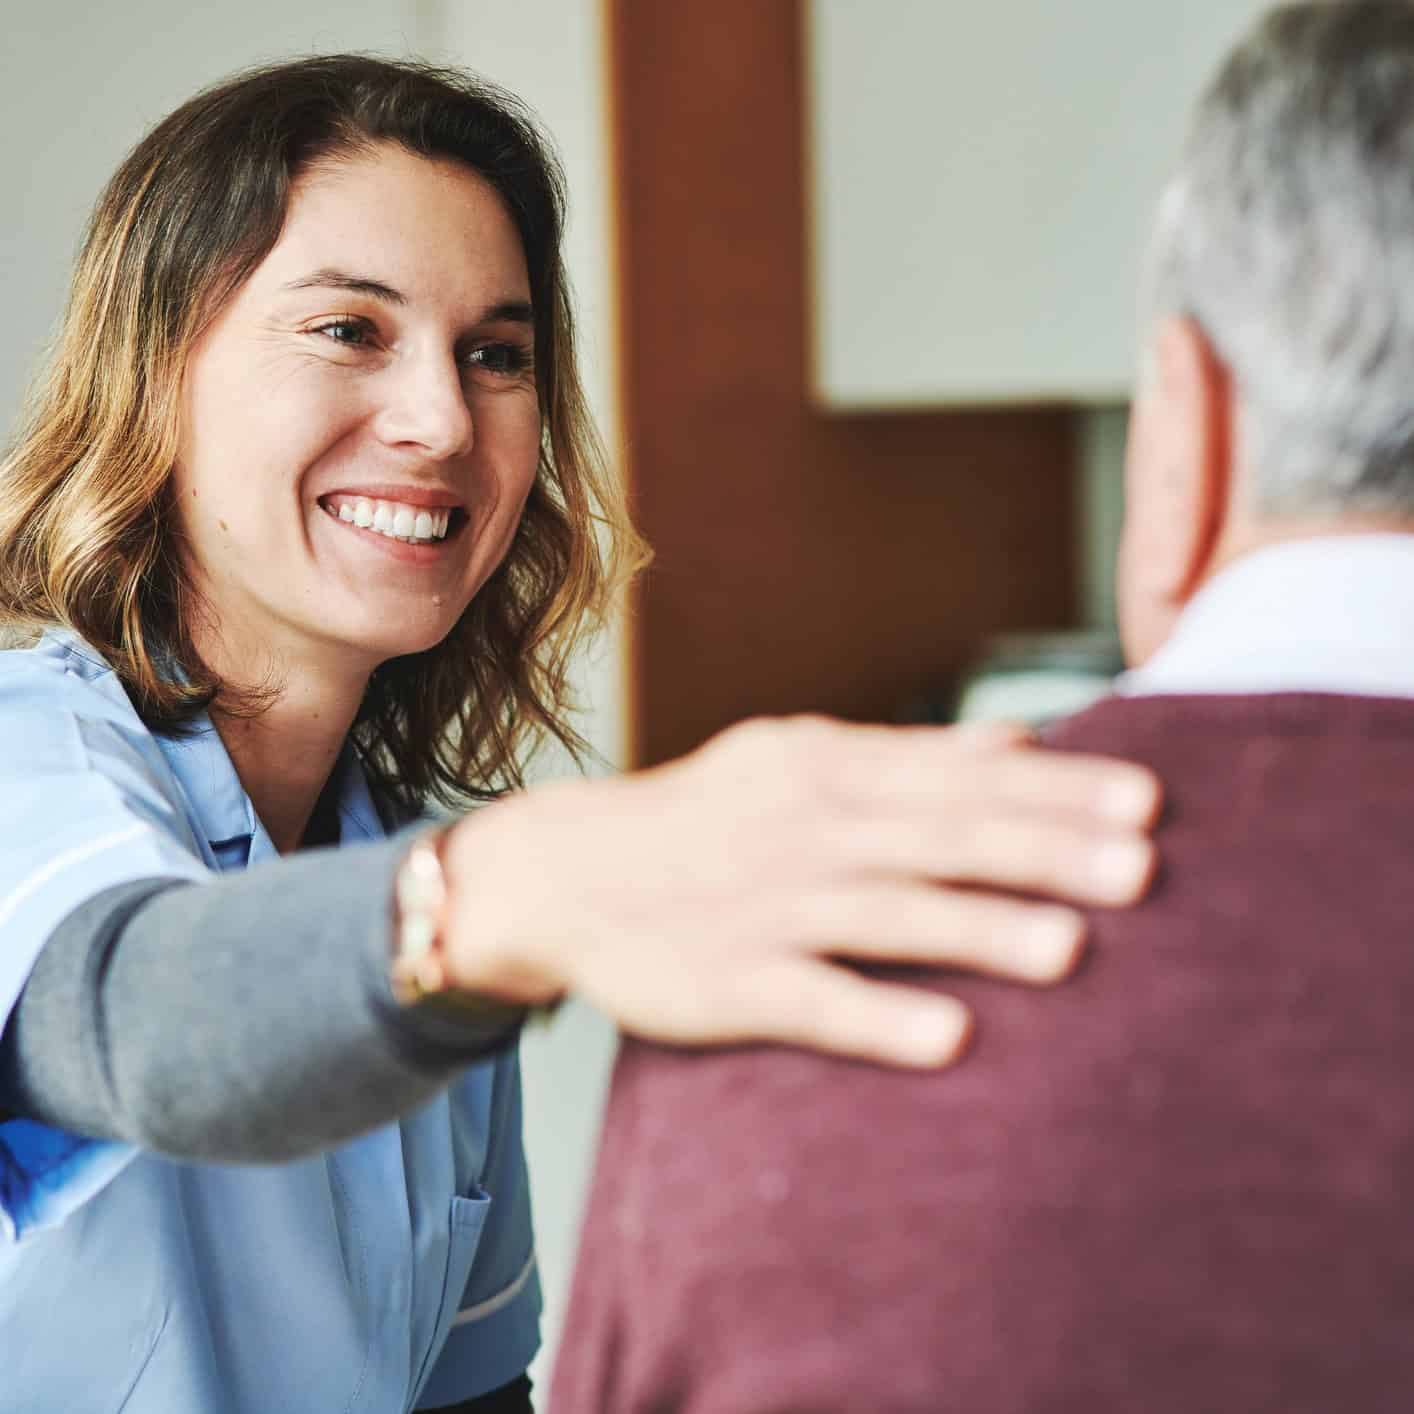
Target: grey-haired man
pixel 1184 1183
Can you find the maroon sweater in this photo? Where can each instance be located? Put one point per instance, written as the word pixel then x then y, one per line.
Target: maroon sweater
pixel 1182 1182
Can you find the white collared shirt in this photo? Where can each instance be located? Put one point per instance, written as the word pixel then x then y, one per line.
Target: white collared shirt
pixel 1327 614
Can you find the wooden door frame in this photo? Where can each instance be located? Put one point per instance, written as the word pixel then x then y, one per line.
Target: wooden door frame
pixel 805 560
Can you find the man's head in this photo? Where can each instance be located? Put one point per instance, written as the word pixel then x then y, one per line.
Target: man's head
pixel 1277 393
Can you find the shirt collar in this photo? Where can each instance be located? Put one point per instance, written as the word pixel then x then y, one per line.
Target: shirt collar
pixel 1329 614
pixel 217 802
pixel 223 811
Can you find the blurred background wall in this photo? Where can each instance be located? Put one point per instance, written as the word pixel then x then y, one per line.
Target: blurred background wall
pixel 855 282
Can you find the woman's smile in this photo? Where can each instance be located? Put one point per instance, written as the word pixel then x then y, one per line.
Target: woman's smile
pixel 412 535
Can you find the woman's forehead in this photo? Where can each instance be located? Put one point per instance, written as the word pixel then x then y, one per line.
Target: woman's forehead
pixel 418 227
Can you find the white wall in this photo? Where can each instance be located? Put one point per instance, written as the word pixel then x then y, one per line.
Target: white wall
pixel 80 82
pixel 983 179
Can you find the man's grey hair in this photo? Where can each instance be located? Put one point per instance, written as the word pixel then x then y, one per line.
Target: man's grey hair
pixel 1288 235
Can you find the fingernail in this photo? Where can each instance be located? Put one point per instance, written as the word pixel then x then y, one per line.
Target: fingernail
pixel 1130 799
pixel 1121 868
pixel 1053 942
pixel 937 1034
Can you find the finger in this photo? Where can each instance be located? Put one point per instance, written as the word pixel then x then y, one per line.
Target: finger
pixel 1006 851
pixel 888 767
pixel 1007 938
pixel 1096 788
pixel 826 1008
pixel 985 736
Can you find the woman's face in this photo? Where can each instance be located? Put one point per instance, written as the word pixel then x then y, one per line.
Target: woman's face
pixel 368 386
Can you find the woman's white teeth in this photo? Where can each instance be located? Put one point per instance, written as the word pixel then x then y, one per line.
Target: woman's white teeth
pixel 393 519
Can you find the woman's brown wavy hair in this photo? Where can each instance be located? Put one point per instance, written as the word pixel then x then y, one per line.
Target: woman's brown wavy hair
pixel 87 529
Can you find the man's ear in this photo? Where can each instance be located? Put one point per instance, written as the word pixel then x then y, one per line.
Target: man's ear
pixel 1177 482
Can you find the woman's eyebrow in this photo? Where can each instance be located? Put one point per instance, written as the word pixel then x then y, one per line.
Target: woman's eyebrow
pixel 513 311
pixel 329 279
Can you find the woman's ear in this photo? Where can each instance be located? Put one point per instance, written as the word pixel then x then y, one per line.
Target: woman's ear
pixel 1177 475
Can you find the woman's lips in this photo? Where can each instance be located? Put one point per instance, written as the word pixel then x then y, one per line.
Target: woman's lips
pixel 431 552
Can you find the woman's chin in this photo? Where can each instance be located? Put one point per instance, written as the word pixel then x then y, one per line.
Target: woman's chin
pixel 421 639
pixel 377 644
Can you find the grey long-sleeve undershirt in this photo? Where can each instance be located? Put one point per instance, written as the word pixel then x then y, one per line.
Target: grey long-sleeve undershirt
pixel 245 1018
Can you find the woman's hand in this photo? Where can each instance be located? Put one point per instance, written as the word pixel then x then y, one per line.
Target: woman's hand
pixel 702 901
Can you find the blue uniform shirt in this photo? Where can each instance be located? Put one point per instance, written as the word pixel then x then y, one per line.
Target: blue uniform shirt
pixel 393 1273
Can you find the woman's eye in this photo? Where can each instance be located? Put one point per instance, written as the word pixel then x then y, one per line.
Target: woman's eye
pixel 505 359
pixel 353 332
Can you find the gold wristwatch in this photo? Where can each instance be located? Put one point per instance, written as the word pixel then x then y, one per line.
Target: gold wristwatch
pixel 419 897
pixel 417 974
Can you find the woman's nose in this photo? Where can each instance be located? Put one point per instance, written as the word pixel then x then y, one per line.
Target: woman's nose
pixel 425 404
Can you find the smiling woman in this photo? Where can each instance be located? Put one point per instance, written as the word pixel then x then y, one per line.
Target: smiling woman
pixel 282 304
pixel 307 518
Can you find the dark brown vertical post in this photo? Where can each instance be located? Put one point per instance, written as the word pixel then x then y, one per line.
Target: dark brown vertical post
pixel 805 561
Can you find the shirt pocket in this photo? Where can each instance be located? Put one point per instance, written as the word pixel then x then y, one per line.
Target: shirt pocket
pixel 466 1222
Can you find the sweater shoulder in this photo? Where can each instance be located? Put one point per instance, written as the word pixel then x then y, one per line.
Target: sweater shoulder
pixel 1138 725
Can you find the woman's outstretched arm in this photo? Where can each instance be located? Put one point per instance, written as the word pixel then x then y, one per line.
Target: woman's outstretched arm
pixel 247 1018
